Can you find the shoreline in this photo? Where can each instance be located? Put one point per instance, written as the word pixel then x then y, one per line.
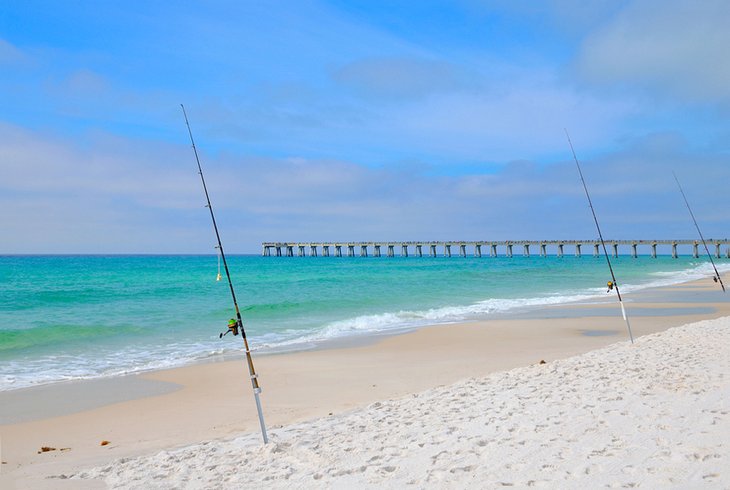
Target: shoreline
pixel 214 399
pixel 543 306
pixel 122 353
pixel 141 384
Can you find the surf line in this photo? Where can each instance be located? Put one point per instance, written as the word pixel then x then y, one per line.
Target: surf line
pixel 613 284
pixel 716 277
pixel 238 324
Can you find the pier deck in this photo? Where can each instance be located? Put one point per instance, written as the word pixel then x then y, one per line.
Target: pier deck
pixel 490 248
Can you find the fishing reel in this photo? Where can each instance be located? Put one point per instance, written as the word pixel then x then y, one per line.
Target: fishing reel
pixel 233 326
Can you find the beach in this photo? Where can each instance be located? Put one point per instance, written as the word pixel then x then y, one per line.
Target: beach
pixel 434 245
pixel 455 405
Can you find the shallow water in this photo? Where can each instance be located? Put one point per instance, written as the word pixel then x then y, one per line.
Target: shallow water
pixel 77 317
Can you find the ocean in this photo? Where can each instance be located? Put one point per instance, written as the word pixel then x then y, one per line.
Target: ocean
pixel 81 317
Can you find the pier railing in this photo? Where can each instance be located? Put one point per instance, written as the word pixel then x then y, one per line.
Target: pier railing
pixel 478 248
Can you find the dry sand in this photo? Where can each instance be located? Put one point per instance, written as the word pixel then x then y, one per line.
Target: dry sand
pixel 213 401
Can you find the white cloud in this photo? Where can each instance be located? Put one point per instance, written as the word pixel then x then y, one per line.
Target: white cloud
pixel 289 154
pixel 569 17
pixel 102 165
pixel 10 54
pixel 521 119
pixel 678 47
pixel 403 77
pixel 85 82
pixel 116 195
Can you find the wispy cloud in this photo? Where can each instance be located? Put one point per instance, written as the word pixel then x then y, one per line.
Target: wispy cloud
pixel 117 195
pixel 340 120
pixel 10 55
pixel 403 78
pixel 676 47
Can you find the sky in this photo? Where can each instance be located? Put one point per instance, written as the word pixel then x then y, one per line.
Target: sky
pixel 359 120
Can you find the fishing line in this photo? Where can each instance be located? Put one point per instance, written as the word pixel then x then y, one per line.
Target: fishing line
pixel 237 324
pixel 603 243
pixel 717 277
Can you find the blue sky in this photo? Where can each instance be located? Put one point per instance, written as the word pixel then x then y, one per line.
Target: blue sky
pixel 358 120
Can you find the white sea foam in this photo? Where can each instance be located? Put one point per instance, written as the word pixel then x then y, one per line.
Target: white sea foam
pixel 131 359
pixel 394 322
pixel 699 271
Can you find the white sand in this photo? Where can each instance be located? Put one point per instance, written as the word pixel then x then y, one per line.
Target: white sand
pixel 655 414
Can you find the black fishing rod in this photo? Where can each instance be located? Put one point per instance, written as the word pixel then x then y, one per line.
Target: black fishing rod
pixel 238 324
pixel 613 284
pixel 716 277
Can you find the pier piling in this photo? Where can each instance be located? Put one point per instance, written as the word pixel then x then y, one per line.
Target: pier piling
pixel 290 249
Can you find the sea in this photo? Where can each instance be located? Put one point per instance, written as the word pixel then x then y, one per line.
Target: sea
pixel 75 317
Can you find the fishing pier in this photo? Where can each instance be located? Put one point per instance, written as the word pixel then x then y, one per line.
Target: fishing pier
pixel 480 248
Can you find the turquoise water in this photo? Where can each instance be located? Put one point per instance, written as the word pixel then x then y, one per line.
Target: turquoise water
pixel 72 317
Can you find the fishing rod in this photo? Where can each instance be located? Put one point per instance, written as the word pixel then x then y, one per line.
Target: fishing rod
pixel 234 325
pixel 612 284
pixel 716 277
